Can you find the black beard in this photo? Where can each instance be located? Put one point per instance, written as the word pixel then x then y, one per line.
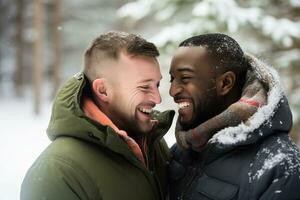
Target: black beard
pixel 192 125
pixel 200 118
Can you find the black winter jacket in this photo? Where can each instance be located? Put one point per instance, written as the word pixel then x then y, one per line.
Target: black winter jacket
pixel 254 161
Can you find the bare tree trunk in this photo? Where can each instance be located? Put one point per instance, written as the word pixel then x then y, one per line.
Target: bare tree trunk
pixel 1 59
pixel 18 76
pixel 56 46
pixel 1 38
pixel 38 54
pixel 294 75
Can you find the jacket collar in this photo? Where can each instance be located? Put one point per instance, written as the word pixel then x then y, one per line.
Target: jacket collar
pixel 68 119
pixel 274 117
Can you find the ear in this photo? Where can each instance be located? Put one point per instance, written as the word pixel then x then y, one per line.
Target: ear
pixel 225 83
pixel 99 88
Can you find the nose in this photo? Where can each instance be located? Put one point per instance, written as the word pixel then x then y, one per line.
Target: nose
pixel 156 98
pixel 174 89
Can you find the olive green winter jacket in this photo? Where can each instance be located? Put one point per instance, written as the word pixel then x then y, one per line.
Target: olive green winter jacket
pixel 87 160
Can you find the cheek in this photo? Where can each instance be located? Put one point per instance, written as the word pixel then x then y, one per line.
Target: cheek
pixel 194 91
pixel 198 98
pixel 121 101
pixel 131 100
pixel 137 98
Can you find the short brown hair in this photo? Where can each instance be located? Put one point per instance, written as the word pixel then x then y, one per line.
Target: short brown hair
pixel 110 44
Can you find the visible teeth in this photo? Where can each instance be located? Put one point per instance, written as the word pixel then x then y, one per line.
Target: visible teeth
pixel 183 105
pixel 146 110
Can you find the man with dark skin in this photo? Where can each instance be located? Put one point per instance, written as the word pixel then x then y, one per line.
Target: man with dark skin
pixel 233 125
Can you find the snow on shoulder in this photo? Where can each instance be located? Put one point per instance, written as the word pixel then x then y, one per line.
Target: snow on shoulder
pixel 286 157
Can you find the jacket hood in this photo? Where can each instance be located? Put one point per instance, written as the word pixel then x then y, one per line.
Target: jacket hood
pixel 68 119
pixel 271 118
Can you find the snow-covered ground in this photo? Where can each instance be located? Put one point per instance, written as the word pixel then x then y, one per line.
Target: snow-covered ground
pixel 23 138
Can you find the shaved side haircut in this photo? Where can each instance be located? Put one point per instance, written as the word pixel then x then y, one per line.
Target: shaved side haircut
pixel 108 46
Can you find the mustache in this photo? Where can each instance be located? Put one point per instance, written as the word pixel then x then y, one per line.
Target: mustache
pixel 148 103
pixel 179 97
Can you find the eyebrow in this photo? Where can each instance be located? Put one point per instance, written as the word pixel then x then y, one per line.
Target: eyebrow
pixel 148 80
pixel 183 69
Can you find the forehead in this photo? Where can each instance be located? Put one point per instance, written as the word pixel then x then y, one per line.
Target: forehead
pixel 139 68
pixel 195 58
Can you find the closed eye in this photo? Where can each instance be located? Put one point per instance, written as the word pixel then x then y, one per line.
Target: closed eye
pixel 144 87
pixel 185 79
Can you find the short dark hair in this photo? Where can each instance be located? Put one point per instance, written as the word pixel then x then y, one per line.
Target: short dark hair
pixel 224 52
pixel 112 43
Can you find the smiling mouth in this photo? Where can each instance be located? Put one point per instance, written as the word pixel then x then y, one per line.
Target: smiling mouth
pixel 183 105
pixel 145 111
pixel 149 113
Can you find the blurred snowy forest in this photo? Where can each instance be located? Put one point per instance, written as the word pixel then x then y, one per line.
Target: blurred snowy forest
pixel 42 44
pixel 269 29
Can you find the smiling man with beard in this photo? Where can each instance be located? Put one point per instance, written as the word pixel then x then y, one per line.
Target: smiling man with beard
pixel 233 125
pixel 106 142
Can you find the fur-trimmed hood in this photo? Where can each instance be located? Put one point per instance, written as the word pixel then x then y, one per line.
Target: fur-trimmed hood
pixel 253 160
pixel 271 118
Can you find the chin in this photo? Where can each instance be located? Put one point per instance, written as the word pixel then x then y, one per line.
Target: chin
pixel 184 122
pixel 145 129
pixel 189 124
pixel 185 125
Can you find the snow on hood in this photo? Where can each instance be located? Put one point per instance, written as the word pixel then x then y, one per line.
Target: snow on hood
pixel 240 133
